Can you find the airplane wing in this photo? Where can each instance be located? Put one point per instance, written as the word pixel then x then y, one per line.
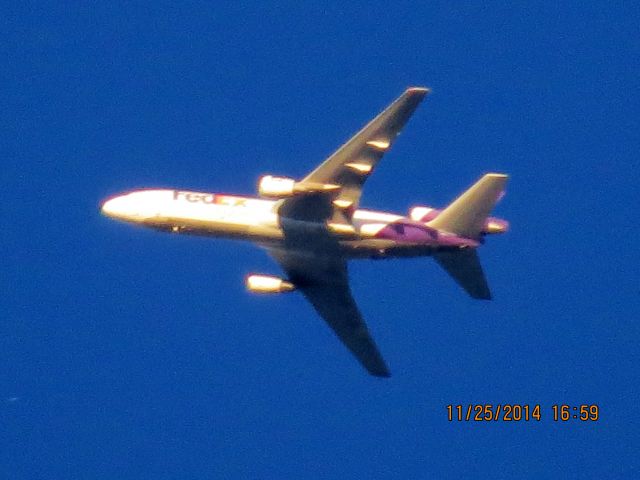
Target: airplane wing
pixel 350 166
pixel 323 280
pixel 465 268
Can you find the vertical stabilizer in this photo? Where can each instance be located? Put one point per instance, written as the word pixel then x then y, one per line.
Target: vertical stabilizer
pixel 467 214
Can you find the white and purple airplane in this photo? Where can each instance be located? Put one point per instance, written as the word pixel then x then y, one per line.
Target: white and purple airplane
pixel 313 226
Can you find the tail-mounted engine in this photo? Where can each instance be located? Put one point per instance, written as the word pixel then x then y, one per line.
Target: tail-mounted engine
pixel 426 214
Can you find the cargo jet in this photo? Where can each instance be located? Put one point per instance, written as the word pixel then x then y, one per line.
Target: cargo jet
pixel 313 226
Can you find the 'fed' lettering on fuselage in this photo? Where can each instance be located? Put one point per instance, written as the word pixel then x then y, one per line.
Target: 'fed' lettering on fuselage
pixel 192 197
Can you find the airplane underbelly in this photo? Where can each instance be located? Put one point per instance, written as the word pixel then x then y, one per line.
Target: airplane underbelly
pixel 383 248
pixel 219 222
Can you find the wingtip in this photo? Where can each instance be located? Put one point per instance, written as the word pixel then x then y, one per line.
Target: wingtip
pixel 419 90
pixel 382 372
pixel 482 295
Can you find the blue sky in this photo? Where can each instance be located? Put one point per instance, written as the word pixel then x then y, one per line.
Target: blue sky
pixel 127 353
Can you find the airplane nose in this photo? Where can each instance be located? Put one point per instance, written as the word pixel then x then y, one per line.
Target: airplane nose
pixel 106 208
pixel 127 207
pixel 114 207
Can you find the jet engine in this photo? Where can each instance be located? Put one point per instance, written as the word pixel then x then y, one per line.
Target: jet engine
pixel 426 214
pixel 270 186
pixel 268 284
pixel 276 187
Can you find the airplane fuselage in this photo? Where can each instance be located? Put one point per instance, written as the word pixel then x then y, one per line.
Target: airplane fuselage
pixel 375 234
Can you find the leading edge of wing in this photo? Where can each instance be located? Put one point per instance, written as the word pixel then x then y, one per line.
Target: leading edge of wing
pixel 353 162
pixel 323 280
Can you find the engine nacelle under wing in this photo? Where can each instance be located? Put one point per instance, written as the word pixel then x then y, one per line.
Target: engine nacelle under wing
pixel 276 187
pixel 270 186
pixel 268 284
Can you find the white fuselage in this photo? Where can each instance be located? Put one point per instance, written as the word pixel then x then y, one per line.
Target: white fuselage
pixel 251 219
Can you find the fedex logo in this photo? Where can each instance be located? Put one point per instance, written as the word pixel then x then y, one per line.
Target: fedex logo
pixel 193 197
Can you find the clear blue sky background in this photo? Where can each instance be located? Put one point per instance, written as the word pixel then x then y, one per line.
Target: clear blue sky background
pixel 132 354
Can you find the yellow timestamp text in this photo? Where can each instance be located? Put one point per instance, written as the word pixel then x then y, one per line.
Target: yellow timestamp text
pixel 513 412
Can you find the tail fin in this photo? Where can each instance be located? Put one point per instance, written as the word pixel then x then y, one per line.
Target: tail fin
pixel 467 214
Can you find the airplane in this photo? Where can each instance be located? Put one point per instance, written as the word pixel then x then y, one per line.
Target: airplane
pixel 312 227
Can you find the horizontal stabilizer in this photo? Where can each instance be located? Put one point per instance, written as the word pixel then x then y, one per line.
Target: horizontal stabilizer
pixel 467 214
pixel 464 266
